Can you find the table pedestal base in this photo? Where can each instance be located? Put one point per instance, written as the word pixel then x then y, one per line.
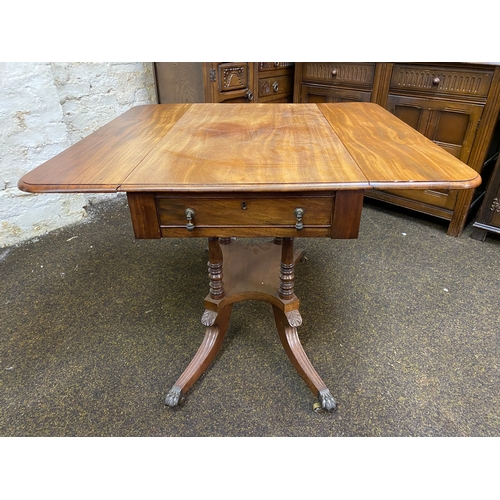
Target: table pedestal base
pixel 248 272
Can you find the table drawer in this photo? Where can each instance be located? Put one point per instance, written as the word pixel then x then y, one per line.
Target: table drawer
pixel 339 73
pixel 232 215
pixel 275 86
pixel 441 80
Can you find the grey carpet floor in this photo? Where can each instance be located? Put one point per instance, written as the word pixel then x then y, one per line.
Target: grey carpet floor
pixel 402 324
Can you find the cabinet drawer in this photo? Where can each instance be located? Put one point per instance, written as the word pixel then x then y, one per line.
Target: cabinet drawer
pixel 320 93
pixel 339 73
pixel 441 80
pixel 233 76
pixel 275 86
pixel 445 199
pixel 236 214
pixel 273 66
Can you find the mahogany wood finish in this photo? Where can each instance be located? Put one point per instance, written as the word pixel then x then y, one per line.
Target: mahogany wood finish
pixel 214 336
pixel 143 210
pixel 102 160
pixel 252 272
pixel 215 260
pixel 241 215
pixel 294 350
pixel 282 171
pixel 284 147
pixel 287 266
pixel 407 161
pixel 456 105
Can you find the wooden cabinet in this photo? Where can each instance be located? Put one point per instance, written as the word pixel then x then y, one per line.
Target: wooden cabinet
pixel 334 82
pixel 455 105
pixel 229 82
pixel 274 81
pixel 226 82
pixel 489 214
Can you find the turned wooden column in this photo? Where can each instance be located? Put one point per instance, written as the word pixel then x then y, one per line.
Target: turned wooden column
pixel 286 269
pixel 215 269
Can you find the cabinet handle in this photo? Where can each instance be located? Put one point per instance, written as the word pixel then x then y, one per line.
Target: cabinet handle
pixel 334 73
pixel 299 213
pixel 276 64
pixel 190 213
pixel 436 81
pixel 275 86
pixel 249 96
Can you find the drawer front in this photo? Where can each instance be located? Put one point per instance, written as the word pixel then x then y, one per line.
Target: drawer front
pixel 444 199
pixel 319 93
pixel 275 86
pixel 245 216
pixel 272 66
pixel 440 80
pixel 358 74
pixel 233 76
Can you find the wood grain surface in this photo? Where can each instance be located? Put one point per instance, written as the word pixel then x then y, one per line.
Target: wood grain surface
pixel 393 155
pixel 100 161
pixel 258 147
pixel 251 148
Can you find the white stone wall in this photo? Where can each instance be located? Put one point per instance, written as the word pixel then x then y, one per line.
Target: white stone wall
pixel 44 108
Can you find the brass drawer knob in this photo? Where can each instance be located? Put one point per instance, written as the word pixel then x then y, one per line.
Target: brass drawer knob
pixel 190 213
pixel 299 213
pixel 436 81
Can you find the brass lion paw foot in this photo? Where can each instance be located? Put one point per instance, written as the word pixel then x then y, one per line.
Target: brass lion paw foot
pixel 327 402
pixel 173 397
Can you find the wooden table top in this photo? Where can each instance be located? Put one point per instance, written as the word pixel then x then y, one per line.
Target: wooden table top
pixel 252 147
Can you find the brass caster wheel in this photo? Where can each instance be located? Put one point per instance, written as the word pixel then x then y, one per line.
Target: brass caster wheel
pixel 317 408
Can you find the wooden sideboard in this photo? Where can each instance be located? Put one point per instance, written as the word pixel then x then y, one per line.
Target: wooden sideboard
pixel 229 82
pixel 456 105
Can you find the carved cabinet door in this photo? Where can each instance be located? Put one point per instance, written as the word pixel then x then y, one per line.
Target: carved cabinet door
pixel 230 82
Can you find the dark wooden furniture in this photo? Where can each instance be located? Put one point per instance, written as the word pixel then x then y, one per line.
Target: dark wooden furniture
pixel 229 82
pixel 488 218
pixel 280 171
pixel 456 105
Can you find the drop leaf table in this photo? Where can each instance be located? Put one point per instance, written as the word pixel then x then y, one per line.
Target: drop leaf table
pixel 228 171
